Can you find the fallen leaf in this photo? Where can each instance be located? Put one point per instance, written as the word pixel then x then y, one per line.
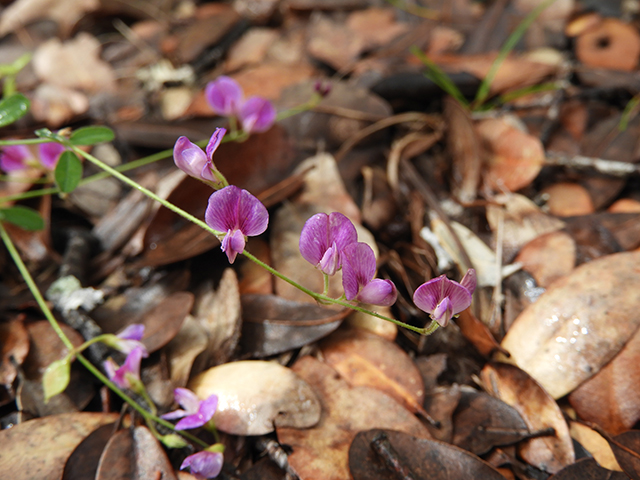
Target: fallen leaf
pixel 568 199
pixel 251 49
pixel 83 462
pixel 423 458
pixel 610 44
pixel 323 451
pixel 548 257
pixel 164 321
pixel 184 348
pixel 539 411
pixel 625 205
pixel 39 448
pixel 587 468
pixel 14 347
pixel 64 12
pixel 595 444
pixel 568 335
pixel 254 397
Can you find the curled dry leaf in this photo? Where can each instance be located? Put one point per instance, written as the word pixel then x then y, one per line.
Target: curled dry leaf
pixel 323 451
pixel 273 325
pixel 514 157
pixel 422 457
pixel 548 257
pixel 365 359
pixel 579 324
pixel 39 448
pixel 611 398
pixel 255 396
pixel 611 44
pixel 539 411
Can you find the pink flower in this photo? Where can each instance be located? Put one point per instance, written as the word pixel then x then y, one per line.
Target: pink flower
pixel 129 339
pixel 15 157
pixel 196 412
pixel 128 375
pixel 50 154
pixel 443 298
pixel 257 115
pixel 192 160
pixel 323 238
pixel 204 464
pixel 239 214
pixel 358 269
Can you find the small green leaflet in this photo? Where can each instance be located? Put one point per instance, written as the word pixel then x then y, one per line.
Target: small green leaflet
pixel 12 108
pixel 68 172
pixel 56 378
pixel 91 135
pixel 23 217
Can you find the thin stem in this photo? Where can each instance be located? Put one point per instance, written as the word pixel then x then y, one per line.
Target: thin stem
pixel 25 141
pixel 35 291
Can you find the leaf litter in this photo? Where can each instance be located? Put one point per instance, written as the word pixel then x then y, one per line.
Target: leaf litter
pixel 459 185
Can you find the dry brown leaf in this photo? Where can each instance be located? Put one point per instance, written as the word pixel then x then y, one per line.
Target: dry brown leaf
pixel 183 349
pixel 611 44
pixel 514 157
pixel 251 48
pixel 74 64
pixel 568 199
pixel 579 324
pixel 539 411
pixel 64 12
pixel 375 27
pixel 323 451
pixel 269 79
pixel 548 257
pixel 625 205
pixel 164 321
pixel 39 448
pixel 365 359
pixel 595 444
pixel 14 347
pixel 329 41
pixel 255 396
pixel 611 398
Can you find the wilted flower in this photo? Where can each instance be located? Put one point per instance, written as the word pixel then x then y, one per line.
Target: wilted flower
pixel 128 339
pixel 358 269
pixel 192 160
pixel 257 115
pixel 128 375
pixel 196 412
pixel 323 238
pixel 322 88
pixel 238 213
pixel 204 464
pixel 443 298
pixel 225 96
pixel 19 157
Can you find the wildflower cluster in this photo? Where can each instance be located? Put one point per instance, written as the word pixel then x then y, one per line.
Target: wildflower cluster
pixel 225 96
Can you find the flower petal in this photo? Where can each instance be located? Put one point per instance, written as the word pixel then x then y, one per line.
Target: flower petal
pixel 14 157
pixel 253 215
pixel 135 331
pixel 358 268
pixel 50 154
pixel 208 407
pixel 187 399
pixel 378 292
pixel 257 115
pixel 233 243
pixel 214 143
pixel 204 464
pixel 320 233
pixel 179 413
pixel 191 159
pixel 469 280
pixel 224 96
pixel 232 208
pixel 443 312
pixel 429 295
pixel 314 238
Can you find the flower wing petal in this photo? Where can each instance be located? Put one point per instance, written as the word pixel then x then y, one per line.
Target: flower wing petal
pixel 257 115
pixel 314 238
pixel 358 268
pixel 253 217
pixel 429 294
pixel 469 280
pixel 222 209
pixel 379 292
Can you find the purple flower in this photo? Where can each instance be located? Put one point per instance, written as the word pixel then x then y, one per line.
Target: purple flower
pixel 443 298
pixel 322 88
pixel 204 464
pixel 50 154
pixel 257 115
pixel 323 238
pixel 128 375
pixel 129 339
pixel 358 269
pixel 15 157
pixel 224 95
pixel 239 214
pixel 196 412
pixel 192 160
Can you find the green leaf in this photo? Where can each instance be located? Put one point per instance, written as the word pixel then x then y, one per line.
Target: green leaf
pixel 12 108
pixel 23 217
pixel 56 378
pixel 92 135
pixel 68 171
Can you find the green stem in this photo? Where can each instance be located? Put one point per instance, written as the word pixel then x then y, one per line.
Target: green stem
pixel 35 291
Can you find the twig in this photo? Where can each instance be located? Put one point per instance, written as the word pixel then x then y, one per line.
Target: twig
pixel 614 168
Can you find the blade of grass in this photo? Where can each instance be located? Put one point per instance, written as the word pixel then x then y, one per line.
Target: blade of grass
pixel 509 45
pixel 439 77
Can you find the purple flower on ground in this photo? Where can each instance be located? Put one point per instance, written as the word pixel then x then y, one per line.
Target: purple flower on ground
pixel 196 412
pixel 50 154
pixel 443 298
pixel 358 269
pixel 204 464
pixel 128 375
pixel 192 160
pixel 239 214
pixel 129 339
pixel 257 115
pixel 225 96
pixel 323 238
pixel 15 157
